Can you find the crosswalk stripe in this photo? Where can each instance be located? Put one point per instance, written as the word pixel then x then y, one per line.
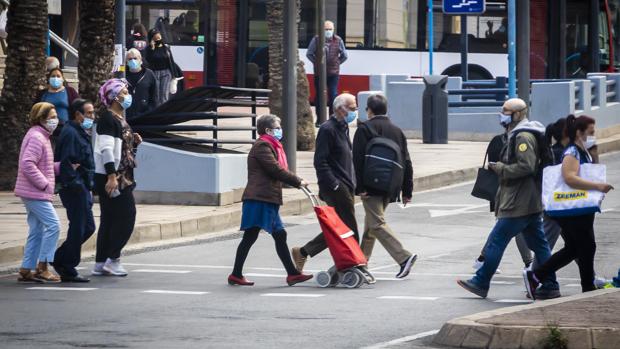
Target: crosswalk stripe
pixel 502 283
pixel 572 285
pixel 260 275
pixel 389 279
pixel 175 292
pixel 513 301
pixel 161 271
pixel 415 298
pixel 300 295
pixel 49 288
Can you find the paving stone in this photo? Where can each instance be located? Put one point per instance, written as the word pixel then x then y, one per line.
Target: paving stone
pixel 578 338
pixel 506 338
pixel 533 337
pixel 478 337
pixel 606 338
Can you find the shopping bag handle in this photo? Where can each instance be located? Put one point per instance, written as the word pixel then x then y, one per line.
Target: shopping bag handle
pixel 312 196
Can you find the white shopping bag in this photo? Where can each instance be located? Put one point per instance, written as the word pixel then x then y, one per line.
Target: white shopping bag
pixel 560 200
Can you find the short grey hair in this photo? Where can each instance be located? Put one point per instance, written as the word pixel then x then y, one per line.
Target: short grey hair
pixel 264 122
pixel 341 100
pixel 134 53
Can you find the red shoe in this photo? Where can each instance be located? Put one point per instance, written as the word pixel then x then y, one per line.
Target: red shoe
pixel 233 280
pixel 295 279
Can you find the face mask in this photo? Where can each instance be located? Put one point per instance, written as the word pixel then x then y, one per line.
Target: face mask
pixel 50 125
pixel 158 42
pixel 277 133
pixel 134 64
pixel 505 119
pixel 55 82
pixel 351 115
pixel 87 124
pixel 590 142
pixel 329 34
pixel 126 103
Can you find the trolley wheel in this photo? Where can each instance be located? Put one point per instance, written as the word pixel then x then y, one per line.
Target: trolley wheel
pixel 362 277
pixel 335 276
pixel 351 279
pixel 323 279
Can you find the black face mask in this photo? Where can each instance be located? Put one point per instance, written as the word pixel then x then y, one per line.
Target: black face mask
pixel 158 42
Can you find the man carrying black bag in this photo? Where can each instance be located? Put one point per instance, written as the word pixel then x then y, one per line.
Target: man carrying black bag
pixel 383 170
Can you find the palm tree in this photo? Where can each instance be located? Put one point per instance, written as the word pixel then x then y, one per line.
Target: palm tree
pixel 305 124
pixel 23 76
pixel 96 48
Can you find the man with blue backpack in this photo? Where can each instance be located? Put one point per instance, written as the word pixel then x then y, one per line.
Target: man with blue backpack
pixel 383 171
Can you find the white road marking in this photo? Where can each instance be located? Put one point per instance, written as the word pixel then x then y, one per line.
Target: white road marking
pixel 203 266
pixel 607 210
pixel 300 295
pixel 259 275
pixel 62 288
pixel 465 209
pixel 163 271
pixel 384 267
pixel 415 298
pixel 402 340
pixel 513 301
pixel 175 292
pixel 502 283
pixel 572 285
pixel 389 279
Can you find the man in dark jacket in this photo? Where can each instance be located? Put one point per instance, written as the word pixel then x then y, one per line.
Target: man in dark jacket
pixel 375 203
pixel 334 170
pixel 77 167
pixel 142 85
pixel 335 55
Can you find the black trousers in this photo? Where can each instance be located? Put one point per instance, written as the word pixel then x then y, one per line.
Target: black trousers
pixel 344 202
pixel 579 243
pixel 118 218
pixel 79 205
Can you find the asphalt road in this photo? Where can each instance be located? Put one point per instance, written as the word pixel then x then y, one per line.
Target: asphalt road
pixel 179 298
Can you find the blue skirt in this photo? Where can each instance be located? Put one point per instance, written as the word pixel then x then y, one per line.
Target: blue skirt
pixel 261 214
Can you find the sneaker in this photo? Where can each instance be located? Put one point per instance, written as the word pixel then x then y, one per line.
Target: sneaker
pixel 545 293
pixel 98 269
pixel 405 267
pixel 473 288
pixel 114 267
pixel 477 264
pixel 298 258
pixel 295 279
pixel 601 283
pixel 531 284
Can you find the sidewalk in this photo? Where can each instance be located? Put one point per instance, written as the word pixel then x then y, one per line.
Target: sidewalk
pixel 588 320
pixel 435 165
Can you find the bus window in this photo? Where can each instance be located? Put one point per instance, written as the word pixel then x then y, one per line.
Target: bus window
pixel 179 24
pixel 577 43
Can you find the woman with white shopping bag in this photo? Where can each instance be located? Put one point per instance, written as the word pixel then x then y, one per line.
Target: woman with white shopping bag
pixel 572 197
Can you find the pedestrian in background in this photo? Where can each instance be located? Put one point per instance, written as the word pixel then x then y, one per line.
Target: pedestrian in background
pixel 160 59
pixel 114 151
pixel 59 94
pixel 35 186
pixel 333 162
pixel 77 166
pixel 138 38
pixel 577 229
pixel 51 62
pixel 335 54
pixel 376 201
pixel 262 198
pixel 142 85
pixel 518 201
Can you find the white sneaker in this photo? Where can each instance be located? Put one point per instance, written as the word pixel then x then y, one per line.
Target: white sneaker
pixel 114 267
pixel 98 270
pixel 477 264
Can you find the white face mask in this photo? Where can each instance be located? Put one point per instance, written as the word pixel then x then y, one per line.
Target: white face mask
pixel 50 125
pixel 590 142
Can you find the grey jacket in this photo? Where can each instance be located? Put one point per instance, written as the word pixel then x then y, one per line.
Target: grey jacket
pixel 519 194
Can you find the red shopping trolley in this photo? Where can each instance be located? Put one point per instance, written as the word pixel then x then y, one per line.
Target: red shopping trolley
pixel 350 263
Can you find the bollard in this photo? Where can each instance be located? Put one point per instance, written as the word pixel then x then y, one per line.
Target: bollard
pixel 435 110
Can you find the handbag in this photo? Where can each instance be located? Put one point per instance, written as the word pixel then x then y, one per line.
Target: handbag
pixel 487 183
pixel 560 200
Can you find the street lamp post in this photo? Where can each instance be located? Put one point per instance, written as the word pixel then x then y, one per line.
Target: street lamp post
pixel 321 103
pixel 523 51
pixel 289 86
pixel 512 37
pixel 119 41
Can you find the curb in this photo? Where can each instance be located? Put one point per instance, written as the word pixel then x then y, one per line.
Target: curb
pixel 467 332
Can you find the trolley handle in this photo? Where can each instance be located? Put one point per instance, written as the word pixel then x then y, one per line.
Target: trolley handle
pixel 312 196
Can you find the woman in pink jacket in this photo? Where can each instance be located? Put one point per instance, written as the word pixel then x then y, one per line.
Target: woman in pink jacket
pixel 35 186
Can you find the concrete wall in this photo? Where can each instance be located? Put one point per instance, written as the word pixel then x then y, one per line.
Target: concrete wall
pixel 170 176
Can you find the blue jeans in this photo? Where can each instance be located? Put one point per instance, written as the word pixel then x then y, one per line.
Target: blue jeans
pixel 43 234
pixel 331 83
pixel 505 229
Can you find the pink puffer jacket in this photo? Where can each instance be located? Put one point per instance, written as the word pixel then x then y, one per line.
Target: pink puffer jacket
pixel 37 170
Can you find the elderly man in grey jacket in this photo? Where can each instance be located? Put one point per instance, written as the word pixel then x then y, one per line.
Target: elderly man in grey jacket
pixel 519 205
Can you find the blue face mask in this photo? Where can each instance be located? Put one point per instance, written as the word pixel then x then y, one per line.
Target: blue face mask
pixel 55 82
pixel 277 133
pixel 134 64
pixel 505 119
pixel 329 34
pixel 351 115
pixel 126 103
pixel 87 124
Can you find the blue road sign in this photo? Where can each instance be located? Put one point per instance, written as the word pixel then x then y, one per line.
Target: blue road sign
pixel 464 7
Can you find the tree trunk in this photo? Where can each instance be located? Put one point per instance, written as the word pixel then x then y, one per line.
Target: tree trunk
pixel 96 45
pixel 305 123
pixel 24 75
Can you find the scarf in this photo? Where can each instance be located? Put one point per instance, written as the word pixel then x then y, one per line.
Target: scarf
pixel 279 150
